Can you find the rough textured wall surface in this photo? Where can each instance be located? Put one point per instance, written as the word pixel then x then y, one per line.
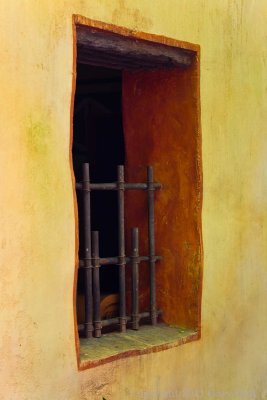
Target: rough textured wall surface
pixel 38 359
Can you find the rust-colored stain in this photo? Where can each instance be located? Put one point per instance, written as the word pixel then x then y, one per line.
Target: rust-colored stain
pixel 161 114
pixel 161 127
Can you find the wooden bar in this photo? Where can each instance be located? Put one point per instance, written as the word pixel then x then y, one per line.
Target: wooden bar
pixel 121 245
pixel 115 260
pixel 88 325
pixel 151 245
pixel 135 278
pixel 114 186
pixel 96 284
pixel 115 321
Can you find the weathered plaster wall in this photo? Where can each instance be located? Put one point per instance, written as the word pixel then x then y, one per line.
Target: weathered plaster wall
pixel 38 360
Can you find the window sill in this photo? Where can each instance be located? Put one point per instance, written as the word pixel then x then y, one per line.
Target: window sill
pixel 148 339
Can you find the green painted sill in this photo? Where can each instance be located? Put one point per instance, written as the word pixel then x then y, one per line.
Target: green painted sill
pixel 148 339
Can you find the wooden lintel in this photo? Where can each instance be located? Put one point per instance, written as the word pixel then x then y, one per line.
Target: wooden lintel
pixel 104 48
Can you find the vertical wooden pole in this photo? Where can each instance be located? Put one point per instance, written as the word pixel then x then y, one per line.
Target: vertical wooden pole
pixel 88 298
pixel 151 244
pixel 135 278
pixel 121 245
pixel 96 283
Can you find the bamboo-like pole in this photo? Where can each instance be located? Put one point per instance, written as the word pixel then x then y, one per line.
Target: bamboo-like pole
pixel 88 324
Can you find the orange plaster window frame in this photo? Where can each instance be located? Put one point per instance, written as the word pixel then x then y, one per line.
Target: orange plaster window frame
pixel 173 145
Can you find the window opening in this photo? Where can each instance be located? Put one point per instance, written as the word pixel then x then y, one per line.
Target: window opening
pixel 154 82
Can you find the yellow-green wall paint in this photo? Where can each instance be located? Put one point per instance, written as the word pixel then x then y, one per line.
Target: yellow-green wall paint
pixel 38 358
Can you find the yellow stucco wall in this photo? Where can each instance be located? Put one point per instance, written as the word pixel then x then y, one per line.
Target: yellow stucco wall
pixel 38 359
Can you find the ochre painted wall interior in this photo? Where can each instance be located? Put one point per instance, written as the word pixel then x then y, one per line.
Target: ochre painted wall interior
pixel 37 345
pixel 163 131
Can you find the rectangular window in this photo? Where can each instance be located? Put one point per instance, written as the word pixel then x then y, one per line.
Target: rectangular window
pixel 140 271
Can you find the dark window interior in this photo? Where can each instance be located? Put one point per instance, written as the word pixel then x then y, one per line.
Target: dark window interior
pixel 98 140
